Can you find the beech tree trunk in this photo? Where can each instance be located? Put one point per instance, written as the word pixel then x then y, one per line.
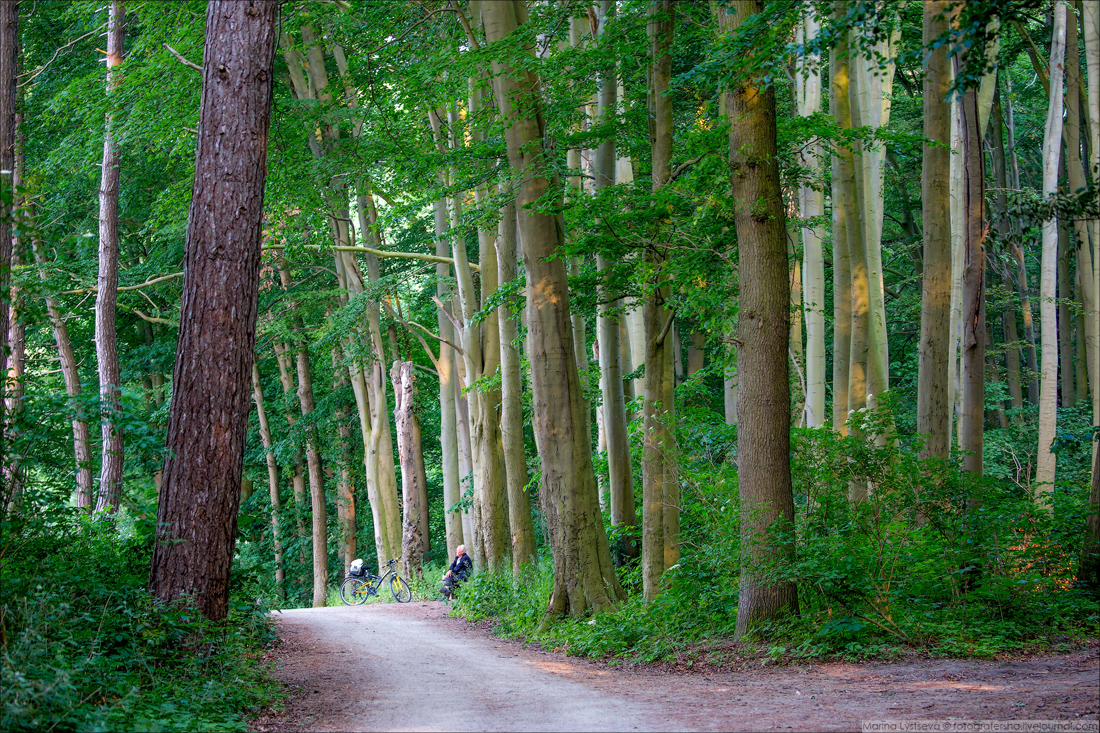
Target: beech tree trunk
pixel 106 347
pixel 298 480
pixel 763 455
pixel 812 206
pixel 272 478
pixel 933 406
pixel 409 449
pixel 972 414
pixel 1048 309
pixel 1088 263
pixel 584 575
pixel 197 513
pixel 845 225
pixel 82 455
pixel 511 407
pixel 620 472
pixel 658 459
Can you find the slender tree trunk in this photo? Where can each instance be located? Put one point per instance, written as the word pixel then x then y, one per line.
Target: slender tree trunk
pixel 763 456
pixel 69 373
pixel 272 478
pixel 620 472
pixel 412 544
pixel 298 480
pixel 1004 228
pixel 511 413
pixel 1075 170
pixel 972 417
pixel 345 493
pixel 11 470
pixel 316 475
pixel 933 407
pixel 584 575
pixel 448 437
pixel 110 379
pixel 658 448
pixel 197 513
pixel 812 207
pixel 9 64
pixel 1048 310
pixel 1088 263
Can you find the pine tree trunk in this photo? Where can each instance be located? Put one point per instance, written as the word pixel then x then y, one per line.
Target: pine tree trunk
pixel 197 513
pixel 272 478
pixel 763 455
pixel 584 576
pixel 110 379
pixel 9 64
pixel 1048 392
pixel 511 412
pixel 933 407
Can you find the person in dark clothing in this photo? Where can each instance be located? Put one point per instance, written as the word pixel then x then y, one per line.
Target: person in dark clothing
pixel 459 572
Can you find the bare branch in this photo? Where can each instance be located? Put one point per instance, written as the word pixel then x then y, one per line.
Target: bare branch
pixel 181 59
pixel 34 74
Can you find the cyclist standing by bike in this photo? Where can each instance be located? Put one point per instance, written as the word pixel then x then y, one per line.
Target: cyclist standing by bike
pixel 459 572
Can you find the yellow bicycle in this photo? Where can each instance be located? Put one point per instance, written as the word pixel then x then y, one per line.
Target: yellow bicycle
pixel 361 584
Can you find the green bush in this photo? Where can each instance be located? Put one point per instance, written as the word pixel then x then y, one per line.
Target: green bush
pixel 86 647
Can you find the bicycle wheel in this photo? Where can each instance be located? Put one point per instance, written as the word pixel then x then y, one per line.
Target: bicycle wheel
pixel 354 591
pixel 402 593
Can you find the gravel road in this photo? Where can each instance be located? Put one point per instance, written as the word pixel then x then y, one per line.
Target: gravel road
pixel 385 667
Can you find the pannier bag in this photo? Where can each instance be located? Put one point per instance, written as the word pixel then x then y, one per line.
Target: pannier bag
pixel 357 570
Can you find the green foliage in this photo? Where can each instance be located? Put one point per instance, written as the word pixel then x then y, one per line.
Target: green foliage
pixel 85 647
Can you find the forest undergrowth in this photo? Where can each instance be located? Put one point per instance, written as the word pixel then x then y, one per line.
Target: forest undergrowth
pixel 84 646
pixel 937 562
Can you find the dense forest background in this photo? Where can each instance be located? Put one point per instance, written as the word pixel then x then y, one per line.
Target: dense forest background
pixel 428 162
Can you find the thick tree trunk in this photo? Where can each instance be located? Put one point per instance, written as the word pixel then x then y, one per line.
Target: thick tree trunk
pixel 272 478
pixel 584 575
pixel 197 514
pixel 409 449
pixel 1048 310
pixel 763 456
pixel 511 406
pixel 933 407
pixel 106 347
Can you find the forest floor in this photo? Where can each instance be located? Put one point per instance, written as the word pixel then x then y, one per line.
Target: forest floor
pixel 387 667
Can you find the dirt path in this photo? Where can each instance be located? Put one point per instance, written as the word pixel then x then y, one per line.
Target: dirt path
pixel 386 667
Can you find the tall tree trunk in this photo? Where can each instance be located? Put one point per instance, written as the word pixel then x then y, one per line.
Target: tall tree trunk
pixel 345 493
pixel 11 470
pixel 1075 176
pixel 933 407
pixel 584 575
pixel 511 405
pixel 197 513
pixel 409 449
pixel 763 456
pixel 272 478
pixel 316 474
pixel 9 63
pixel 82 455
pixel 1048 310
pixel 658 466
pixel 448 437
pixel 972 416
pixel 1004 229
pixel 843 218
pixel 812 207
pixel 106 347
pixel 298 480
pixel 1088 263
pixel 620 472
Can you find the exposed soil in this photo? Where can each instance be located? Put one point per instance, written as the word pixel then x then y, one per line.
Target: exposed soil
pixel 404 668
